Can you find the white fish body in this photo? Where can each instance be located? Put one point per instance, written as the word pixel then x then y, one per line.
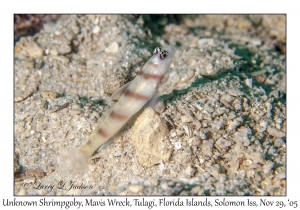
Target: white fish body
pixel 135 96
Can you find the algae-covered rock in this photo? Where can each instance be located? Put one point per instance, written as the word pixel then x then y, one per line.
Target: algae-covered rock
pixel 27 47
pixel 149 136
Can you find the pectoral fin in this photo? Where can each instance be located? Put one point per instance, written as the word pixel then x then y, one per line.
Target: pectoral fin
pixel 118 93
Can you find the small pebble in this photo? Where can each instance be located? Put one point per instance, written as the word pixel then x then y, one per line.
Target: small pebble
pixel 113 47
pixel 177 145
pixel 75 112
pixel 96 30
pixel 134 180
pixel 135 188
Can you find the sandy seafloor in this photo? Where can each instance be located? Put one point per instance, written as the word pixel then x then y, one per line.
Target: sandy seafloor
pixel 218 128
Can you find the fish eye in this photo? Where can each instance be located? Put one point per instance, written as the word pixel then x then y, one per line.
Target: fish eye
pixel 156 50
pixel 163 54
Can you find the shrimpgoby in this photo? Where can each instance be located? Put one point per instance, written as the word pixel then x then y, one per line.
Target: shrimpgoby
pixel 133 96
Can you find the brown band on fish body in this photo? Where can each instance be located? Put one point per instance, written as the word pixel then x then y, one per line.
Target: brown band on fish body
pixel 151 76
pixel 102 133
pixel 117 116
pixel 136 95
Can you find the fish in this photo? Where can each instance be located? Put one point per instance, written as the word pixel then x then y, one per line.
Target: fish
pixel 131 98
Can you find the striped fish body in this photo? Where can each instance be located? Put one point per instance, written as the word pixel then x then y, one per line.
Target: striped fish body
pixel 136 95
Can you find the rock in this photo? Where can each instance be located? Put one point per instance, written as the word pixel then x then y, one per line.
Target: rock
pixel 256 157
pixel 281 175
pixel 135 188
pixel 113 47
pixel 27 47
pixel 213 170
pixel 159 106
pixel 234 165
pixel 278 142
pixel 205 41
pixel 134 180
pixel 275 132
pixel 189 171
pixel 61 58
pixel 235 92
pixel 49 94
pixel 222 144
pixel 248 82
pixel 64 49
pixel 267 167
pixel 112 188
pixel 149 132
pixel 263 125
pixel 209 108
pixel 75 112
pixel 233 124
pixel 227 97
pixel 241 136
pixel 122 186
pixel 177 145
pixel 226 104
pixel 38 63
pixel 96 30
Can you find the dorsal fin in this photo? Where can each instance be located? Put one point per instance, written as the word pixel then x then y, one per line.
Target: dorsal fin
pixel 118 93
